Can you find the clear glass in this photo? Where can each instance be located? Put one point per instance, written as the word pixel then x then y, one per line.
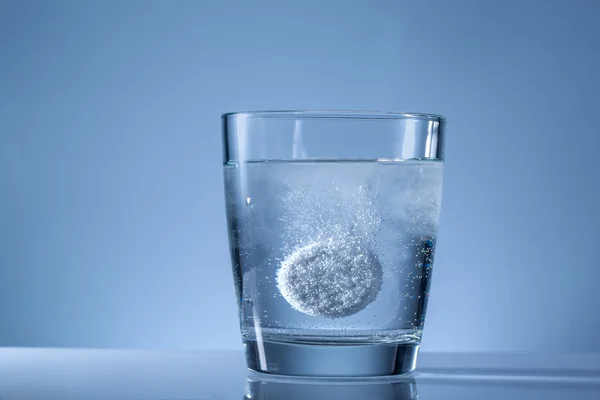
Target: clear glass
pixel 332 221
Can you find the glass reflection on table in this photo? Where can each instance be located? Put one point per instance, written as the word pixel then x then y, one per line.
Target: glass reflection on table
pixel 263 387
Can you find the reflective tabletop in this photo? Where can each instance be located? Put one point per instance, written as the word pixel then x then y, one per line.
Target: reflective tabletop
pixel 221 375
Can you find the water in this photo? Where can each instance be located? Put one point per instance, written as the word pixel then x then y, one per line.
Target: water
pixel 336 252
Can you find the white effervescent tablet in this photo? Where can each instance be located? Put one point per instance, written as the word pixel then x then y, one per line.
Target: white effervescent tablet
pixel 330 278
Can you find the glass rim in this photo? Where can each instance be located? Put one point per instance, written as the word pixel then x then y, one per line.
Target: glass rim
pixel 336 114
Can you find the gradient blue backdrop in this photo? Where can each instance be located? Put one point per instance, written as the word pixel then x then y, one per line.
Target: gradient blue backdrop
pixel 112 228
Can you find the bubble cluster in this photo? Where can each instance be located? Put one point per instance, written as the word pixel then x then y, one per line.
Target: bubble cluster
pixel 329 268
pixel 331 278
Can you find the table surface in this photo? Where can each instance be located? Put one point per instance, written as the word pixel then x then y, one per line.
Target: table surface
pixel 221 375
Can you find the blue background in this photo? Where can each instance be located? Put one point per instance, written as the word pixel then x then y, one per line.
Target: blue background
pixel 112 227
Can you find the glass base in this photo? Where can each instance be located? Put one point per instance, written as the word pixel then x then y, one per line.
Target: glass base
pixel 326 360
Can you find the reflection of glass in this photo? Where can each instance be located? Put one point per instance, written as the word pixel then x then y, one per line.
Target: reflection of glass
pixel 261 388
pixel 332 221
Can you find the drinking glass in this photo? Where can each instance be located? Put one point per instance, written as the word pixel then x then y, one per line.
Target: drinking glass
pixel 332 220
